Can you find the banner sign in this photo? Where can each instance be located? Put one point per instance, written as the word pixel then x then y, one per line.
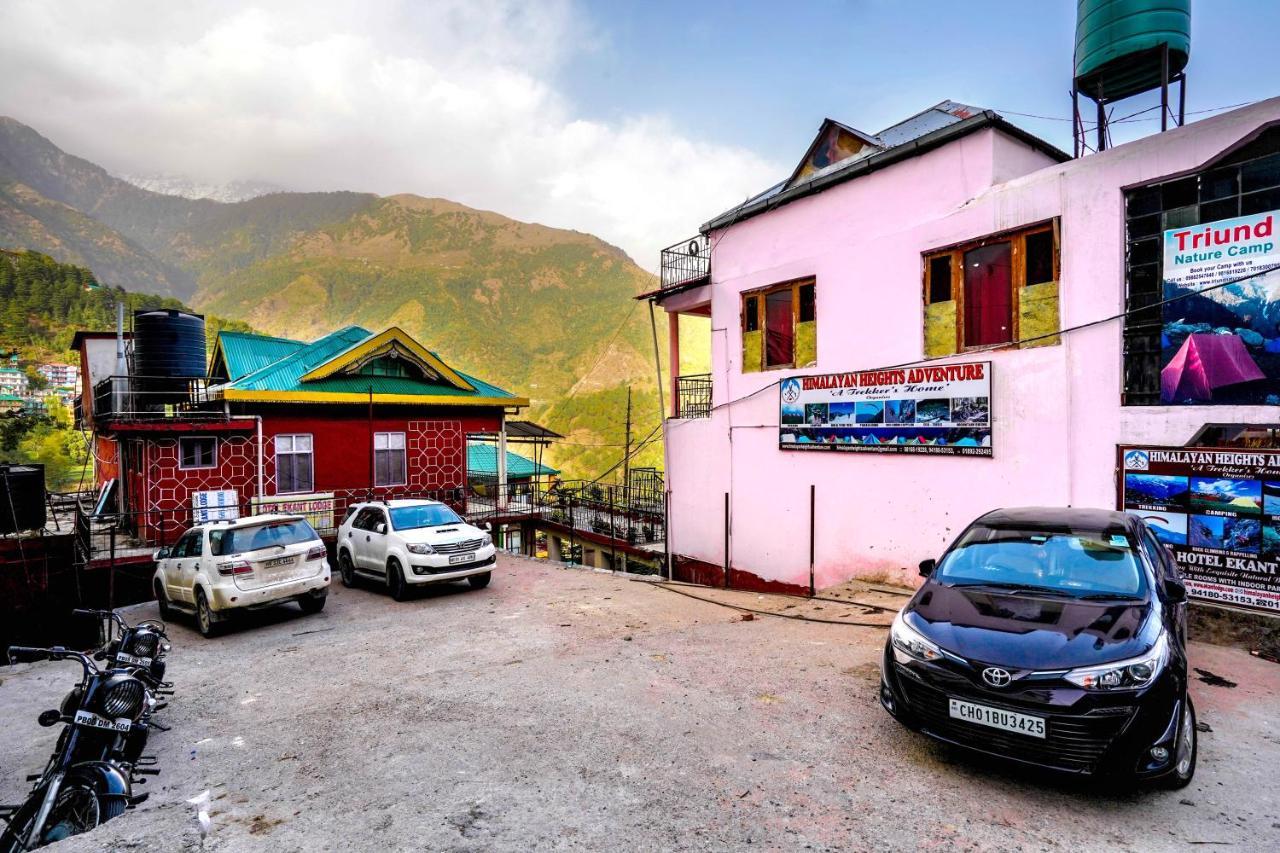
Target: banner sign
pixel 316 508
pixel 938 409
pixel 1219 510
pixel 220 505
pixel 1223 346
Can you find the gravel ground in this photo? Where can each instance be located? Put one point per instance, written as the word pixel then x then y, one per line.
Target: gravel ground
pixel 564 708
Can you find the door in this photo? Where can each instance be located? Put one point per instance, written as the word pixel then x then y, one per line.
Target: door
pixel 179 573
pixel 375 542
pixel 359 539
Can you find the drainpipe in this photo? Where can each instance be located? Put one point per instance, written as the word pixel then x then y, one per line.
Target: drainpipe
pixel 502 461
pixel 260 495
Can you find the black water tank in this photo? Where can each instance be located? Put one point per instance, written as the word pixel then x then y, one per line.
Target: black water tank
pixel 22 503
pixel 167 345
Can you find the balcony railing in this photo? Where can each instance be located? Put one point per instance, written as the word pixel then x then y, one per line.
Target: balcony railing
pixel 693 396
pixel 153 397
pixel 687 262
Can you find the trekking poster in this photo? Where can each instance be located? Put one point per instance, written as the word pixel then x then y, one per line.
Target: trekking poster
pixel 1218 511
pixel 1221 347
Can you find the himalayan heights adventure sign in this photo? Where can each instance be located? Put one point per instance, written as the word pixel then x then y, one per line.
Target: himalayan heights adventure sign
pixel 1219 511
pixel 939 410
pixel 1221 346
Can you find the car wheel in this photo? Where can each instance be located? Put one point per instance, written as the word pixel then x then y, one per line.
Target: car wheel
pixel 480 581
pixel 204 616
pixel 1185 751
pixel 162 601
pixel 395 580
pixel 346 570
pixel 312 603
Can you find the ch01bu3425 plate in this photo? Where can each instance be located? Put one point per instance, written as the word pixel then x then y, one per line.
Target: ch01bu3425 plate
pixel 996 718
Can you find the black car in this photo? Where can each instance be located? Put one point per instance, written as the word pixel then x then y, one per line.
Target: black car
pixel 1052 637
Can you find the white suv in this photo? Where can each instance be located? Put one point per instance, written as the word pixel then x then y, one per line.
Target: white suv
pixel 221 567
pixel 406 543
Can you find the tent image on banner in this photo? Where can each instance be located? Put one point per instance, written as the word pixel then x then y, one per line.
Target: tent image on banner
pixel 1206 362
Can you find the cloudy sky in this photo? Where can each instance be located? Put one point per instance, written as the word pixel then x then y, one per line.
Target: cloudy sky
pixel 633 121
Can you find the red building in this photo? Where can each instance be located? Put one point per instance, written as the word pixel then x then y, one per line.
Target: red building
pixel 282 425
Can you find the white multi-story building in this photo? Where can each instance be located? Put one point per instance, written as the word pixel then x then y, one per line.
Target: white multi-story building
pixel 13 381
pixel 59 375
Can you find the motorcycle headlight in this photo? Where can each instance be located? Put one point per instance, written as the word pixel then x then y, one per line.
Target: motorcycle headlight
pixel 420 548
pixel 908 644
pixel 124 699
pixel 1130 674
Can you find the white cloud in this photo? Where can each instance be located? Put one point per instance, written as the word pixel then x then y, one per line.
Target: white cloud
pixel 454 99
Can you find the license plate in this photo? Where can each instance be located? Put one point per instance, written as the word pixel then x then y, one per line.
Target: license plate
pixel 133 661
pixel 278 561
pixel 1010 721
pixel 461 558
pixel 85 718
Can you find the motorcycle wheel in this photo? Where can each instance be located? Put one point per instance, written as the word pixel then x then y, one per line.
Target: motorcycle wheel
pixel 77 809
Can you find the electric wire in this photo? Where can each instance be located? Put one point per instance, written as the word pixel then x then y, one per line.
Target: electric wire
pixel 793 616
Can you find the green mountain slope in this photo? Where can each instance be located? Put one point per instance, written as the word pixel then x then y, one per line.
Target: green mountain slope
pixel 546 312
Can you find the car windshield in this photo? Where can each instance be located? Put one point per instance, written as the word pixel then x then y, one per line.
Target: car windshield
pixel 1080 563
pixel 422 515
pixel 238 540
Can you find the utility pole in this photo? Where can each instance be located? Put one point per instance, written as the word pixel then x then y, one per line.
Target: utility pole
pixel 626 459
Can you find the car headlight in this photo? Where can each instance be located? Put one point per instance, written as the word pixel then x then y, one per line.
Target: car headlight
pixel 1130 674
pixel 908 644
pixel 420 548
pixel 488 540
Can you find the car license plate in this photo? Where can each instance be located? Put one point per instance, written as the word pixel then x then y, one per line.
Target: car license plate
pixel 133 661
pixel 278 561
pixel 461 558
pixel 1010 721
pixel 86 718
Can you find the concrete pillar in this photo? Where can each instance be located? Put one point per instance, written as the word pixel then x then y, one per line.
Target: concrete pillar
pixel 673 342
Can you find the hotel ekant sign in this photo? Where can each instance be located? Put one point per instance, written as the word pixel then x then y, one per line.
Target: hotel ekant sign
pixel 1220 337
pixel 1218 510
pixel 942 410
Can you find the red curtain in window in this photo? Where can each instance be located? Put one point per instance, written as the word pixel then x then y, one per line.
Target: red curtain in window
pixel 988 297
pixel 779 328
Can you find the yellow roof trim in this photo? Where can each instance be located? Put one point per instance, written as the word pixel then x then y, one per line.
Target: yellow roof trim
pixel 238 395
pixel 372 347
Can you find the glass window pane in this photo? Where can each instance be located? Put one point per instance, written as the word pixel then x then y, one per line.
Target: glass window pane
pixel 1227 208
pixel 1260 202
pixel 395 440
pixel 302 443
pixel 1039 257
pixel 988 303
pixel 1179 193
pixel 940 279
pixel 379 441
pixel 1259 174
pixel 284 443
pixel 1144 226
pixel 305 479
pixel 808 304
pixel 779 327
pixel 751 314
pixel 1220 184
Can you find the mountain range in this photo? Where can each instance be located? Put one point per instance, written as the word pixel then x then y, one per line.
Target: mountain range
pixel 545 312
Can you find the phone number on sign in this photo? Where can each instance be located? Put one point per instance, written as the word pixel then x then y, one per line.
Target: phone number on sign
pixel 1230 595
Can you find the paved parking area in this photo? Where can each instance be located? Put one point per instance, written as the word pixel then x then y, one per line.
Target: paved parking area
pixel 568 709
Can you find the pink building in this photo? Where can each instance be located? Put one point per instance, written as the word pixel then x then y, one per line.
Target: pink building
pixel 953 237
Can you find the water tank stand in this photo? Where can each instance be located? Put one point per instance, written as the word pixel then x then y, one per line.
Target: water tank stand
pixel 1102 130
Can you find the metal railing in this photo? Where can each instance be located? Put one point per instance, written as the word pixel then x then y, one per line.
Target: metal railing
pixel 687 262
pixel 152 397
pixel 693 396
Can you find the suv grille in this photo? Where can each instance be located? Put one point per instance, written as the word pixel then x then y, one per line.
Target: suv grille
pixel 458 547
pixel 1073 743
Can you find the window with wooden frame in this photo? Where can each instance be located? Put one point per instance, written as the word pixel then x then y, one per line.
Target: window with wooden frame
pixel 779 326
pixel 993 291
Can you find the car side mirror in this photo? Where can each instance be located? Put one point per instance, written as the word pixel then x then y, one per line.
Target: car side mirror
pixel 1175 591
pixel 162 554
pixel 381 528
pixel 927 567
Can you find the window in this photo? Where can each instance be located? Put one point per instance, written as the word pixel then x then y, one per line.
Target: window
pixel 294 464
pixel 197 452
pixel 240 540
pixel 422 515
pixel 190 545
pixel 368 519
pixel 779 327
pixel 388 459
pixel 998 290
pixel 1241 183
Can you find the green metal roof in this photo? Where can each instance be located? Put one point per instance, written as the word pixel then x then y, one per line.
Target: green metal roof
pixel 245 353
pixel 294 359
pixel 483 459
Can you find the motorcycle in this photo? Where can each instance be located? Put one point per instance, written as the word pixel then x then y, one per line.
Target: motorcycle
pixel 89 778
pixel 141 648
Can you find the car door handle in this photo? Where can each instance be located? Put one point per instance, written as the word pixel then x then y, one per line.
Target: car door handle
pixel 368 538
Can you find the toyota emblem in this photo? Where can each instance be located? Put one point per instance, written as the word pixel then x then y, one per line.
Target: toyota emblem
pixel 996 677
